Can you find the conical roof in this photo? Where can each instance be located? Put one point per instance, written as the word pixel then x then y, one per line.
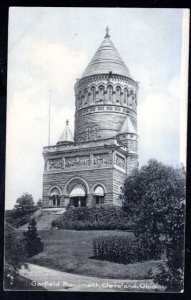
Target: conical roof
pixel 127 127
pixel 106 60
pixel 66 137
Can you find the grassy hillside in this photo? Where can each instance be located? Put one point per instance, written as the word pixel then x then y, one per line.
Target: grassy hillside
pixel 71 251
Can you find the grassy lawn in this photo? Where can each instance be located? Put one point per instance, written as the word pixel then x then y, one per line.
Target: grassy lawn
pixel 71 251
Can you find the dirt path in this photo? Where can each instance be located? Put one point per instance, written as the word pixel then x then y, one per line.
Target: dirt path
pixel 54 280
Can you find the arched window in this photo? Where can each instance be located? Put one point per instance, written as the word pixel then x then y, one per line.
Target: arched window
pixel 133 101
pixel 118 94
pixel 125 96
pixel 101 93
pixel 88 133
pixel 130 99
pixel 93 94
pixel 110 93
pixel 95 132
pixel 80 99
pixel 98 195
pixel 85 97
pixel 55 196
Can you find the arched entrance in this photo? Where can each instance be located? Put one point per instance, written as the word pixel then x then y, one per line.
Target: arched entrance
pixel 78 196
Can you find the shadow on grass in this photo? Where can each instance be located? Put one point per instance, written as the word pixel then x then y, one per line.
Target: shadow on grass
pixel 23 284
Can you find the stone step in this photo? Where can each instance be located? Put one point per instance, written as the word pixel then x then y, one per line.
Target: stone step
pixel 45 218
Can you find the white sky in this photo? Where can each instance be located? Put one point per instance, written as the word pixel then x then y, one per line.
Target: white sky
pixel 50 47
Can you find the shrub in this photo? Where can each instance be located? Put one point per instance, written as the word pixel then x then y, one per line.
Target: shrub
pixel 33 242
pixel 120 249
pixel 171 275
pixel 15 256
pixel 19 218
pixel 94 218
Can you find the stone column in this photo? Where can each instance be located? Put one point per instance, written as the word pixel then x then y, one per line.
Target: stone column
pixel 66 201
pixel 63 162
pixel 91 160
pixel 111 157
pixel 89 200
pixel 50 202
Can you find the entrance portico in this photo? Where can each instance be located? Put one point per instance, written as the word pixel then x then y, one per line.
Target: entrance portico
pixel 78 196
pixel 78 201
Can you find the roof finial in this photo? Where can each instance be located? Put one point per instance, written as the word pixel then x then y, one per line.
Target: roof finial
pixel 67 122
pixel 107 32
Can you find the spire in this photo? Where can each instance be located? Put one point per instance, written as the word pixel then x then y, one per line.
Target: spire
pixel 127 127
pixel 66 137
pixel 106 60
pixel 107 32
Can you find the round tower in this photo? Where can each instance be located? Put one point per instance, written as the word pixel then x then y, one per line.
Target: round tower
pixel 106 95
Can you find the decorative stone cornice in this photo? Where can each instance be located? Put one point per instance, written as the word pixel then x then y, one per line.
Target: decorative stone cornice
pixel 106 107
pixel 106 78
pixel 96 144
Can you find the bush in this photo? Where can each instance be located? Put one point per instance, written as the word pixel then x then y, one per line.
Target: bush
pixel 15 256
pixel 120 249
pixel 171 275
pixel 19 218
pixel 33 242
pixel 94 218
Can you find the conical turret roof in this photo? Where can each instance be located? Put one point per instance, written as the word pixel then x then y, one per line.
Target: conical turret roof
pixel 127 127
pixel 66 137
pixel 106 60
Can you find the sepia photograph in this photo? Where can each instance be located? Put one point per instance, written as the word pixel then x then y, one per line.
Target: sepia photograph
pixel 96 149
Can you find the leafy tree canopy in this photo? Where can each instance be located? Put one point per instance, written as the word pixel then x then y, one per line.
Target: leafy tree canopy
pixel 155 194
pixel 152 193
pixel 39 203
pixel 25 202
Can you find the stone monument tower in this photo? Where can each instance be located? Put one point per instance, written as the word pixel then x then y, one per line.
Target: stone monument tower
pixel 90 168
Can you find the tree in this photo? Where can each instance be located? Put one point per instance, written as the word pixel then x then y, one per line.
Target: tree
pixel 33 242
pixel 155 194
pixel 171 275
pixel 15 256
pixel 22 212
pixel 39 203
pixel 25 203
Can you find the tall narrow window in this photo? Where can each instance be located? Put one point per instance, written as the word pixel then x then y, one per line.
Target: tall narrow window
pixel 101 93
pixel 85 97
pixel 110 93
pixel 118 94
pixel 125 96
pixel 95 131
pixel 88 134
pixel 80 99
pixel 130 98
pixel 93 94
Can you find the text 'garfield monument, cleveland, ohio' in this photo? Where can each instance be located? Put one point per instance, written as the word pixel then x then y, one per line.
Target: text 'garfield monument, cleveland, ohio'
pixel 90 167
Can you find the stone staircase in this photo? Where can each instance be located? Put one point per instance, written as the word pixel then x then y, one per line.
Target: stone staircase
pixel 44 218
